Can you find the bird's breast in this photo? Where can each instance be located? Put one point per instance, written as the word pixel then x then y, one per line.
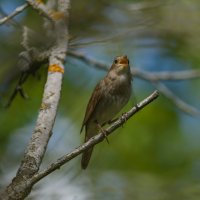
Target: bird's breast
pixel 114 98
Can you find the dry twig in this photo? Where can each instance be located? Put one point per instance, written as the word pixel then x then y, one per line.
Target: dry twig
pixel 177 101
pixel 14 13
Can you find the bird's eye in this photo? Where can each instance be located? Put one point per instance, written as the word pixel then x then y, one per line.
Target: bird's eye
pixel 115 61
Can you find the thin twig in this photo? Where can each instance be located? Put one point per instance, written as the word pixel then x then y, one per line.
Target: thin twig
pixel 96 139
pixel 166 75
pixel 82 57
pixel 177 101
pixel 154 78
pixel 75 43
pixel 146 75
pixel 14 13
pixel 145 5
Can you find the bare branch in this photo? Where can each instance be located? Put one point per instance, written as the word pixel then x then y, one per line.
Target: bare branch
pixel 154 78
pixel 96 139
pixel 14 13
pixel 166 75
pixel 21 186
pixel 146 75
pixel 82 57
pixel 145 5
pixel 177 101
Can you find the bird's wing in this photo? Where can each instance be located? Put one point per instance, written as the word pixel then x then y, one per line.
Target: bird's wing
pixel 94 99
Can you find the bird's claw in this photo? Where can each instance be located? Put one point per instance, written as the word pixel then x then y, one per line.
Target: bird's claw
pixel 124 118
pixel 102 131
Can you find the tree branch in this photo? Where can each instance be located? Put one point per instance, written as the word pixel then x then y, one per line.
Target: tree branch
pixel 40 7
pixel 96 139
pixel 154 78
pixel 21 185
pixel 14 13
pixel 177 101
pixel 166 75
pixel 146 75
pixel 94 63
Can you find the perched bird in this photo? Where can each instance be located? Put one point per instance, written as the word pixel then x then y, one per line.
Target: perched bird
pixel 108 98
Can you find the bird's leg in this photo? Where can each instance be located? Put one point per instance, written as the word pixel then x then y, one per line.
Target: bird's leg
pixel 124 118
pixel 102 130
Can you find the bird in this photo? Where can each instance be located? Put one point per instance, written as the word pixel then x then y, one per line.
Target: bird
pixel 109 96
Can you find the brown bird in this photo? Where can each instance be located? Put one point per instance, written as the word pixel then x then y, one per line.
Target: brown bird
pixel 108 98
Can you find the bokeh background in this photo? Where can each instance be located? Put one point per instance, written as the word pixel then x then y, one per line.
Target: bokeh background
pixel 156 155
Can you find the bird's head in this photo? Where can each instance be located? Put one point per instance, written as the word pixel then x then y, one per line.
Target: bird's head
pixel 121 65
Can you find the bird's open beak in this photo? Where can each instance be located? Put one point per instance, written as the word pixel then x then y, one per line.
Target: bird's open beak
pixel 124 60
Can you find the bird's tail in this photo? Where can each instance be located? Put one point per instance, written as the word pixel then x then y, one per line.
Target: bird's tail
pixel 86 158
pixel 90 131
